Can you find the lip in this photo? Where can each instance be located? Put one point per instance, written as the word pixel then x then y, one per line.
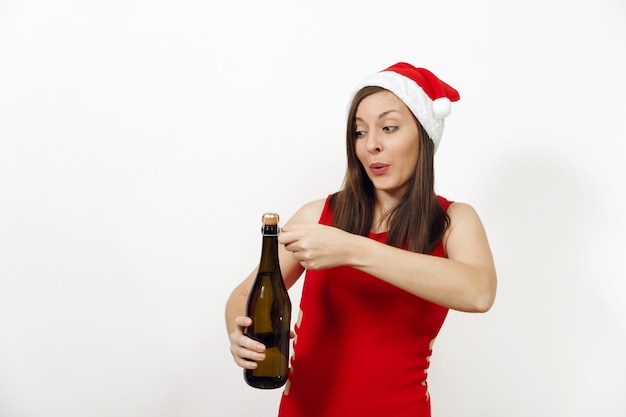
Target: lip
pixel 379 168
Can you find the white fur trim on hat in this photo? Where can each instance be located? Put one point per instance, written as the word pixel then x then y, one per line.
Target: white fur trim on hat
pixel 430 113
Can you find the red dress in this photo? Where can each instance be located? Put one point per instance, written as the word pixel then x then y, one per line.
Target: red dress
pixel 362 347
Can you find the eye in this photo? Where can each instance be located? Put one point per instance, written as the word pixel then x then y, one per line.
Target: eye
pixel 359 134
pixel 390 129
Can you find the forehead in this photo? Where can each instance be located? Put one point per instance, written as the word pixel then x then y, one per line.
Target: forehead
pixel 379 102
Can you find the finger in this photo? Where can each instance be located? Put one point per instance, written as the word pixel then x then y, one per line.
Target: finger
pixel 246 351
pixel 243 361
pixel 246 358
pixel 238 339
pixel 292 247
pixel 242 321
pixel 245 364
pixel 286 238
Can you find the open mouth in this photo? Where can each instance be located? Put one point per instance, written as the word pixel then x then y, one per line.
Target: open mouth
pixel 379 168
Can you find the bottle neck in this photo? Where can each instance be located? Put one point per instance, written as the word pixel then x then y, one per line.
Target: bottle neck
pixel 269 230
pixel 269 251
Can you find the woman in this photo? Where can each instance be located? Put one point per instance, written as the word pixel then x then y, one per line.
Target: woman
pixel 385 259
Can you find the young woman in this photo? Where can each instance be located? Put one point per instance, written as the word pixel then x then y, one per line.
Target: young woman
pixel 385 259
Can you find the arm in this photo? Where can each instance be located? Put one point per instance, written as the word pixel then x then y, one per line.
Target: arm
pixel 245 350
pixel 465 281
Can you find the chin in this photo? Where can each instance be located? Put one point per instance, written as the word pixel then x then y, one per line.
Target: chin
pixel 389 188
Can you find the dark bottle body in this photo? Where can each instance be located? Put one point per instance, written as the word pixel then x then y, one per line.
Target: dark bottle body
pixel 269 307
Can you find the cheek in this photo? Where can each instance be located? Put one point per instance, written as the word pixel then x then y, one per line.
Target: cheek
pixel 360 151
pixel 409 155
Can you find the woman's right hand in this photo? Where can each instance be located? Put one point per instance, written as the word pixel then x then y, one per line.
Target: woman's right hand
pixel 246 351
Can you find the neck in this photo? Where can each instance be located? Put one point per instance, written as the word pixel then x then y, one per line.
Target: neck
pixel 382 212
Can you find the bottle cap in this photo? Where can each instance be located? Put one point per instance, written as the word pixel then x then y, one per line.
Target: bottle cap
pixel 270 219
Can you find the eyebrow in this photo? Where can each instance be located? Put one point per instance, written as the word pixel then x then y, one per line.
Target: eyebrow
pixel 380 116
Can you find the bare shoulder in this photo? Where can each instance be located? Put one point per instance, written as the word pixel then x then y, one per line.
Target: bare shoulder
pixel 464 224
pixel 308 213
pixel 459 211
pixel 465 239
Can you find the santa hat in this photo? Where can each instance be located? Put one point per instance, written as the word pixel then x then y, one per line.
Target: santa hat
pixel 422 92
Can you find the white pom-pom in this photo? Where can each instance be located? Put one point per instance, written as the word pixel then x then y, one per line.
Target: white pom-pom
pixel 442 107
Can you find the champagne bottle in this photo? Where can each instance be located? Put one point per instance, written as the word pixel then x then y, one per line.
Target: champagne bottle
pixel 269 306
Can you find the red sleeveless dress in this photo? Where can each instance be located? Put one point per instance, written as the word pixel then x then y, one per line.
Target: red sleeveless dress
pixel 362 347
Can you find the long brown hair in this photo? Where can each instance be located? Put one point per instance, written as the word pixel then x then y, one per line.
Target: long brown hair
pixel 418 222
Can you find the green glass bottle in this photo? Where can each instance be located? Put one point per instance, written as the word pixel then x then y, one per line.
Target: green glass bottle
pixel 269 306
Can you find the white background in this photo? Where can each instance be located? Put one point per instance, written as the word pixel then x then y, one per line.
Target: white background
pixel 140 141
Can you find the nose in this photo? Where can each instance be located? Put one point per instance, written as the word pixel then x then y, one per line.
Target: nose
pixel 373 143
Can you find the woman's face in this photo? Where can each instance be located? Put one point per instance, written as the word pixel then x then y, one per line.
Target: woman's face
pixel 387 142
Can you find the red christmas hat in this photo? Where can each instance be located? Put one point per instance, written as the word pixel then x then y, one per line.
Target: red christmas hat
pixel 428 97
